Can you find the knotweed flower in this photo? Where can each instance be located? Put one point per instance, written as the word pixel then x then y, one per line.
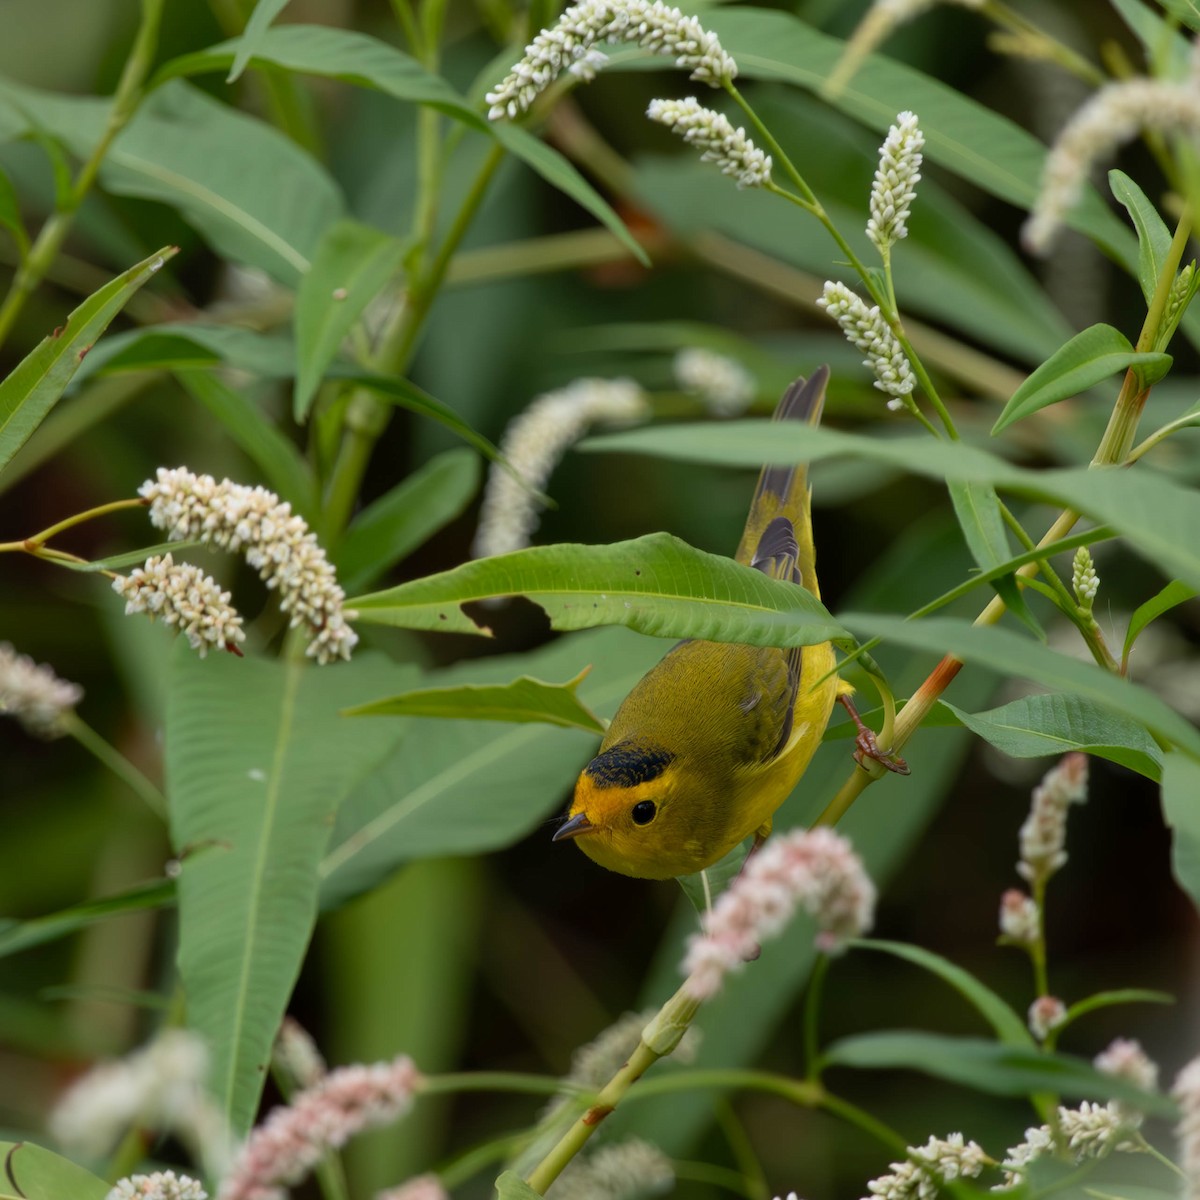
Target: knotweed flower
pixel 421 1187
pixel 1084 581
pixel 723 384
pixel 713 132
pixel 34 695
pixel 162 1185
pixel 1187 1093
pixel 817 871
pixel 625 1170
pixel 1020 920
pixel 297 1056
pixel 159 1086
pixel 1046 1013
pixel 185 598
pixel 1044 834
pixel 293 1139
pixel 940 1160
pixel 865 328
pixel 274 541
pixel 896 181
pixel 570 45
pixel 1087 1132
pixel 1113 116
pixel 534 443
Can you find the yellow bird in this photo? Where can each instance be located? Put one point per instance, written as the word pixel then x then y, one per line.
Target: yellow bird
pixel 712 740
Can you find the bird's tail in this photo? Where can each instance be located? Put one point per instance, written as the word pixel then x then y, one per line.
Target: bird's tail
pixel 778 534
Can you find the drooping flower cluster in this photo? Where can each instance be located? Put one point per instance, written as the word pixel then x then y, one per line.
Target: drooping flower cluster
pixel 1043 836
pixel 1117 113
pixel 185 598
pixel 274 541
pixel 162 1185
pixel 34 695
pixel 865 328
pixel 626 1170
pixel 534 443
pixel 293 1139
pixel 722 383
pixel 713 133
pixel 896 180
pixel 921 1175
pixel 815 870
pixel 1020 920
pixel 1085 583
pixel 1186 1093
pixel 570 45
pixel 159 1086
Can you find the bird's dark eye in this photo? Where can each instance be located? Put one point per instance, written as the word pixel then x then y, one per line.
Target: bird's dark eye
pixel 644 811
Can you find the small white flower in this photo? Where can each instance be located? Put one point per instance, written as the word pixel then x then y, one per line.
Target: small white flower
pixel 1020 920
pixel 1045 1014
pixel 1043 836
pixel 1116 113
pixel 569 45
pixel 724 385
pixel 713 132
pixel 815 870
pixel 34 695
pixel 275 541
pixel 162 1185
pixel 865 328
pixel 534 443
pixel 921 1175
pixel 1125 1059
pixel 896 181
pixel 185 598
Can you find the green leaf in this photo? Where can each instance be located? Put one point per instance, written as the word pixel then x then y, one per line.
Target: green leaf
pixel 1054 724
pixel 41 377
pixel 654 584
pixel 1013 655
pixel 10 214
pixel 1159 518
pixel 510 1186
pixel 265 11
pixel 1109 999
pixel 1173 594
pixel 280 462
pixel 524 701
pixel 1154 238
pixel 37 1174
pixel 130 558
pixel 1181 807
pixel 257 762
pixel 990 1067
pixel 1009 1027
pixel 400 520
pixel 351 266
pixel 21 935
pixel 1087 359
pixel 467 787
pixel 190 345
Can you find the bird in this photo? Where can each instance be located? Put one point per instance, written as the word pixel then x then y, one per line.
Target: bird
pixel 712 740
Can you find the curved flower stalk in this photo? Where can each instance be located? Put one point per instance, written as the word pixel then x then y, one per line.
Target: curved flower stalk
pixel 273 540
pixel 866 329
pixel 712 132
pixel 570 45
pixel 34 695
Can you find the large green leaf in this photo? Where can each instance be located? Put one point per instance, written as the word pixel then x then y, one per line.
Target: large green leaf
pixel 1158 517
pixel 1009 653
pixel 400 520
pixel 251 192
pixel 1174 593
pixel 351 265
pixel 1181 807
pixel 990 1067
pixel 187 345
pixel 1154 238
pixel 962 135
pixel 1053 724
pixel 38 1174
pixel 257 761
pixel 1087 359
pixel 41 377
pixel 524 701
pixel 466 787
pixel 654 584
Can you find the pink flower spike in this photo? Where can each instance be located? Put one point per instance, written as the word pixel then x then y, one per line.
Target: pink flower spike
pixel 817 871
pixel 293 1139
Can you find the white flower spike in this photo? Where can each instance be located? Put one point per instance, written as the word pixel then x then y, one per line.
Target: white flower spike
pixel 714 134
pixel 865 328
pixel 34 695
pixel 895 184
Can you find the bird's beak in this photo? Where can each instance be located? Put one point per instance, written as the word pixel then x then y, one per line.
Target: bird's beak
pixel 572 827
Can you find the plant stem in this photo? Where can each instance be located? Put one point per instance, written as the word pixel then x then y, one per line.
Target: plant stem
pixel 499 1081
pixel 54 232
pixel 117 763
pixel 812 1015
pixel 867 1123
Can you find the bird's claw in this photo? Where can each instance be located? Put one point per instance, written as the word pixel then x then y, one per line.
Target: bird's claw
pixel 868 748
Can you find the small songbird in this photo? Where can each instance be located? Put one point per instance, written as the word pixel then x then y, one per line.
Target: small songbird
pixel 713 739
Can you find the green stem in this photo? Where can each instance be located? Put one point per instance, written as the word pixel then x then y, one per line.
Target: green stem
pixel 867 1123
pixel 408 25
pixel 722 1177
pixel 812 1015
pixel 805 1093
pixel 1159 1156
pixel 54 232
pixel 1054 50
pixel 499 1081
pixel 468 1164
pixel 117 763
pixel 1037 951
pixel 101 510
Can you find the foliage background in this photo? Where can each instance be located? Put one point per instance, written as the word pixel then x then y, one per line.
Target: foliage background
pixel 512 959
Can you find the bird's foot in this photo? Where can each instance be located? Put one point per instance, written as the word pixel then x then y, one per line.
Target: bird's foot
pixel 866 745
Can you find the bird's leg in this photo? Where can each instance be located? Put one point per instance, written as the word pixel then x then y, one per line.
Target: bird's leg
pixel 867 746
